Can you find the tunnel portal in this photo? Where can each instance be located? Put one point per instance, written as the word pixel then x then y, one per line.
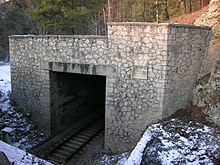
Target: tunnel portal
pixel 75 98
pixel 150 70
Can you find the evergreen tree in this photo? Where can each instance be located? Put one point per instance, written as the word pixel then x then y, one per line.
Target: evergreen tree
pixel 151 10
pixel 13 20
pixel 67 16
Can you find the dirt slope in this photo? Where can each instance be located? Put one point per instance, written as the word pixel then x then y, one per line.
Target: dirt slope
pixel 189 18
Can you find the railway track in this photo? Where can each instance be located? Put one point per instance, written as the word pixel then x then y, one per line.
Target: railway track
pixel 63 152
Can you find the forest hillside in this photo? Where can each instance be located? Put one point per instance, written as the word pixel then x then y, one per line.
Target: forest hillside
pixel 87 17
pixel 206 16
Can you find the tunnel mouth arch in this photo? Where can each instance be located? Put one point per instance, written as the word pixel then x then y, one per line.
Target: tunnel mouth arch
pixel 76 99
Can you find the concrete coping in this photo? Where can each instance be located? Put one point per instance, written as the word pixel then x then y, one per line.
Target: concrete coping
pixel 114 24
pixel 157 24
pixel 60 36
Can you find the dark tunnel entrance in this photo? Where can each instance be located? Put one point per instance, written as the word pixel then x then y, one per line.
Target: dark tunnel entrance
pixel 75 99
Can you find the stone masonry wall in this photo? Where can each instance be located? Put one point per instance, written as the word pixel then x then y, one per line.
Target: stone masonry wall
pixel 149 68
pixel 30 57
pixel 137 94
pixel 187 47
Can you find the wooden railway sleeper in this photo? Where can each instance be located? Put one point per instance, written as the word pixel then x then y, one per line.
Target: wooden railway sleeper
pixel 68 148
pixel 63 152
pixel 76 142
pixel 73 144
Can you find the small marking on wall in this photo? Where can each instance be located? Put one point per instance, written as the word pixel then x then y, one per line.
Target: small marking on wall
pixel 140 72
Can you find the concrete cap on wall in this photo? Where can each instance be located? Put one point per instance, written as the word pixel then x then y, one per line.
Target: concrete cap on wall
pixel 157 24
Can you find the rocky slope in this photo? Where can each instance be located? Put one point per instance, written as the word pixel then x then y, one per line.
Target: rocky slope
pixel 211 17
pixel 207 93
pixel 207 89
pixel 207 16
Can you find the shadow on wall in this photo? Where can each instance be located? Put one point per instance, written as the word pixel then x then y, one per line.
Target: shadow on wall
pixel 211 59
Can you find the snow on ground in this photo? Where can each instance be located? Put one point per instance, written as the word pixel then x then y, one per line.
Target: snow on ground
pixel 115 159
pixel 169 142
pixel 15 128
pixel 176 142
pixel 5 85
pixel 19 157
pixel 173 142
pixel 136 154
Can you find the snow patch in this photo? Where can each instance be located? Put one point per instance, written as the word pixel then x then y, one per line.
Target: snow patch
pixel 115 159
pixel 136 154
pixel 16 129
pixel 5 86
pixel 173 142
pixel 19 157
pixel 7 130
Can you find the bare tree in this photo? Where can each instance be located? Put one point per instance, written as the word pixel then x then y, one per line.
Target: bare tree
pixel 143 9
pixel 157 11
pixel 190 6
pixel 183 6
pixel 109 11
pixel 167 16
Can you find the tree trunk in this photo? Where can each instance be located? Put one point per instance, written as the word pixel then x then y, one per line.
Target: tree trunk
pixel 166 10
pixel 109 11
pixel 190 6
pixel 104 20
pixel 134 11
pixel 143 10
pixel 200 1
pixel 183 6
pixel 157 12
